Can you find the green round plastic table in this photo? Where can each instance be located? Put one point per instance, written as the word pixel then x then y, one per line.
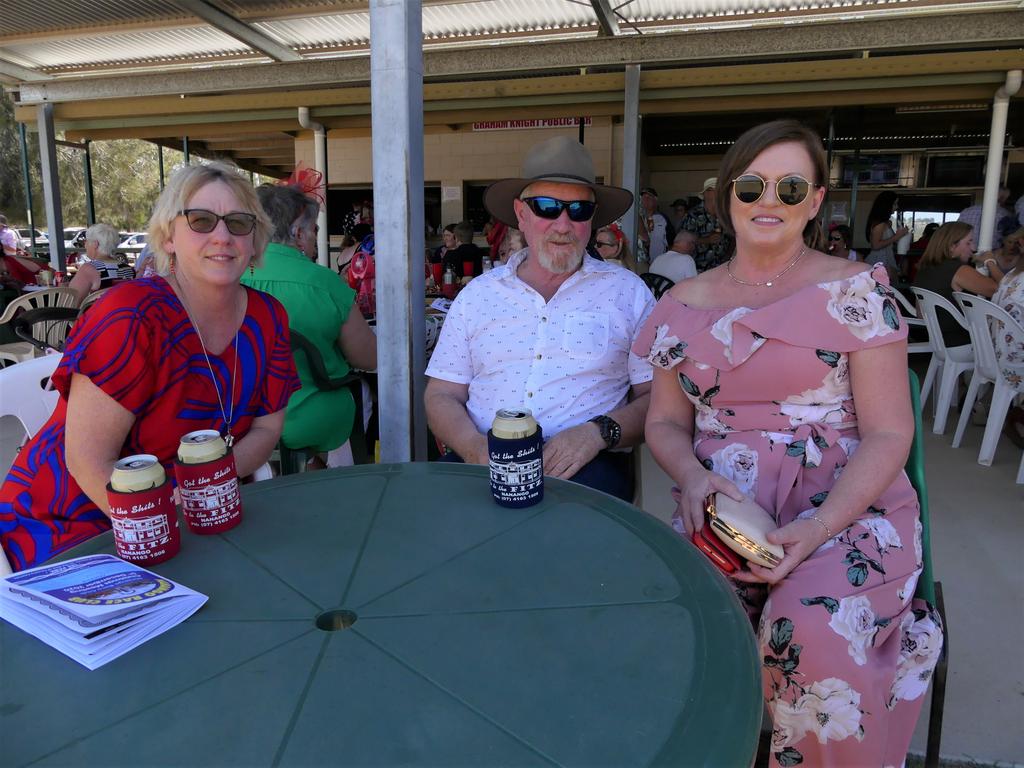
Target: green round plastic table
pixel 578 632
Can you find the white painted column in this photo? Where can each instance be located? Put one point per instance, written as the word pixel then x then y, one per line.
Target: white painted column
pixel 319 164
pixel 396 95
pixel 631 152
pixel 994 168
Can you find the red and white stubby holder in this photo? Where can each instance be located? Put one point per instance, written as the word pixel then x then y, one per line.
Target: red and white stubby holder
pixel 142 511
pixel 208 483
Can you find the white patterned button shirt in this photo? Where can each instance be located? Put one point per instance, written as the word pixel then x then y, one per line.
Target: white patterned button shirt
pixel 566 360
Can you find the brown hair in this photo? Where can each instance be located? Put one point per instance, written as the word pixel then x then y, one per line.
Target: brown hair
pixel 751 144
pixel 940 246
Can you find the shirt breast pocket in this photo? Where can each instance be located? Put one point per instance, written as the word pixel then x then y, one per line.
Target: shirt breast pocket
pixel 585 335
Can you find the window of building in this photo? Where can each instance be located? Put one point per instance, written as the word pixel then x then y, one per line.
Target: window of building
pixel 873 170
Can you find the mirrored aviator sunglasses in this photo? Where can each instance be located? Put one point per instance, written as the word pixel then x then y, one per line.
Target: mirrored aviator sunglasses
pixel 790 190
pixel 204 222
pixel 551 208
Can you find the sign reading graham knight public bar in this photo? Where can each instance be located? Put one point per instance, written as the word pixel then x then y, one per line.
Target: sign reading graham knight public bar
pixel 541 122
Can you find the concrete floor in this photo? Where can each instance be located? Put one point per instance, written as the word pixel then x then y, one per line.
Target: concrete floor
pixel 977 541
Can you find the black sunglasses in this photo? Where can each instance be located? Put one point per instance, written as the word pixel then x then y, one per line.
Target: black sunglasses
pixel 790 190
pixel 835 238
pixel 203 221
pixel 599 244
pixel 551 208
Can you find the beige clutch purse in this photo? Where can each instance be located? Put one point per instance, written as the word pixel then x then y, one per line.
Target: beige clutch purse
pixel 743 527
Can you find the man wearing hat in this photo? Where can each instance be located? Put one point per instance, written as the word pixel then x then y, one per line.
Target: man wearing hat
pixel 549 331
pixel 714 247
pixel 653 226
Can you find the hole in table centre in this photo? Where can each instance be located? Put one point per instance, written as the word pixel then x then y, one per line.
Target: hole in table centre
pixel 332 621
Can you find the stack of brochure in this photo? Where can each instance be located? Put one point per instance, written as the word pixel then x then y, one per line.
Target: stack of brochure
pixel 95 608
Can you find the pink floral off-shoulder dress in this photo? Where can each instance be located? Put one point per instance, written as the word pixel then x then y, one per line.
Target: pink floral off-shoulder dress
pixel 847 650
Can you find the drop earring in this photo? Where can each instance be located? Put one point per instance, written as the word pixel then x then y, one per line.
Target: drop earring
pixel 252 268
pixel 173 263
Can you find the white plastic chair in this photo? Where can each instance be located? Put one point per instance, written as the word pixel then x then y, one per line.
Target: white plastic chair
pixel 26 394
pixel 51 331
pixel 947 363
pixel 263 472
pixel 982 315
pixel 913 320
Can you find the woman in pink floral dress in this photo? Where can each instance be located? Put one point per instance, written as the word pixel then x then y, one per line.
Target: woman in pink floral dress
pixel 782 376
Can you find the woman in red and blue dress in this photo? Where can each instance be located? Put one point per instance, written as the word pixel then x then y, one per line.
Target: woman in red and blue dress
pixel 156 358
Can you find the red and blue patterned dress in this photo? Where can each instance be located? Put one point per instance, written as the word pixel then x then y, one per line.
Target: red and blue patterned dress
pixel 138 346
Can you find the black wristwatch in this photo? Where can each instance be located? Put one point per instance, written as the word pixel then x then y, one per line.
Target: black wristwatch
pixel 611 432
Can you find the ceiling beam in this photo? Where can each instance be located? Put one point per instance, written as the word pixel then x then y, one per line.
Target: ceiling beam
pixel 571 87
pixel 579 103
pixel 833 37
pixel 239 30
pixel 197 148
pixel 18 73
pixel 605 17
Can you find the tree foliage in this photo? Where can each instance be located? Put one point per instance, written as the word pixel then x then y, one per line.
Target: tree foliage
pixel 125 178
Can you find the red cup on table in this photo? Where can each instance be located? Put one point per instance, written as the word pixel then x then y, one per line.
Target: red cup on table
pixel 467 268
pixel 436 271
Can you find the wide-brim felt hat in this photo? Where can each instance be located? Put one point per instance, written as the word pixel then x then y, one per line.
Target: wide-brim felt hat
pixel 561 159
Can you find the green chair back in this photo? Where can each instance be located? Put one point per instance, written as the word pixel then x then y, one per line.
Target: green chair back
pixel 293 458
pixel 915 471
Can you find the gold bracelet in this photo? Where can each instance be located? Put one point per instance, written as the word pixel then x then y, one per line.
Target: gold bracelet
pixel 828 531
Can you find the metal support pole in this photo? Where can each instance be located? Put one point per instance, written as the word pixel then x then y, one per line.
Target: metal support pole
pixel 90 205
pixel 829 142
pixel 856 170
pixel 26 168
pixel 582 129
pixel 51 185
pixel 994 167
pixel 396 98
pixel 184 149
pixel 631 151
pixel 160 164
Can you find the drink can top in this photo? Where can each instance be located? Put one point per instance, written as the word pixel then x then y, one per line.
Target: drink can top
pixel 137 473
pixel 201 446
pixel 513 423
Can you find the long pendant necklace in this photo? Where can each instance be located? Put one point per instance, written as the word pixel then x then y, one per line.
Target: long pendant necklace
pixel 227 415
pixel 767 283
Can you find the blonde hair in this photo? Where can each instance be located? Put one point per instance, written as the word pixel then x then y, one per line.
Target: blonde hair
pixel 625 254
pixel 105 237
pixel 183 185
pixel 940 246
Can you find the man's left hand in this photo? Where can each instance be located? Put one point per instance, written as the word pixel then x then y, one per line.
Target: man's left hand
pixel 566 453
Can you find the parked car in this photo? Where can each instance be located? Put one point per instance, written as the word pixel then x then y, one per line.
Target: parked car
pixel 134 240
pixel 74 237
pixel 26 239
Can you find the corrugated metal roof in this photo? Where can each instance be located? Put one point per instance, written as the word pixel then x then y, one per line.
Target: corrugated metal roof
pixel 27 17
pixel 66 37
pixel 156 46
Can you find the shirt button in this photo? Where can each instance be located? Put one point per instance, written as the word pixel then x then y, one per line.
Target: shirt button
pixel 539 356
pixel 529 394
pixel 543 319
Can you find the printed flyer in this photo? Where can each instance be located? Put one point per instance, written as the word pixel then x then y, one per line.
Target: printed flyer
pixel 95 608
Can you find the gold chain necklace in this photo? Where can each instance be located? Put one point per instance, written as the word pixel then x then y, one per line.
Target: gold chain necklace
pixel 229 439
pixel 767 283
